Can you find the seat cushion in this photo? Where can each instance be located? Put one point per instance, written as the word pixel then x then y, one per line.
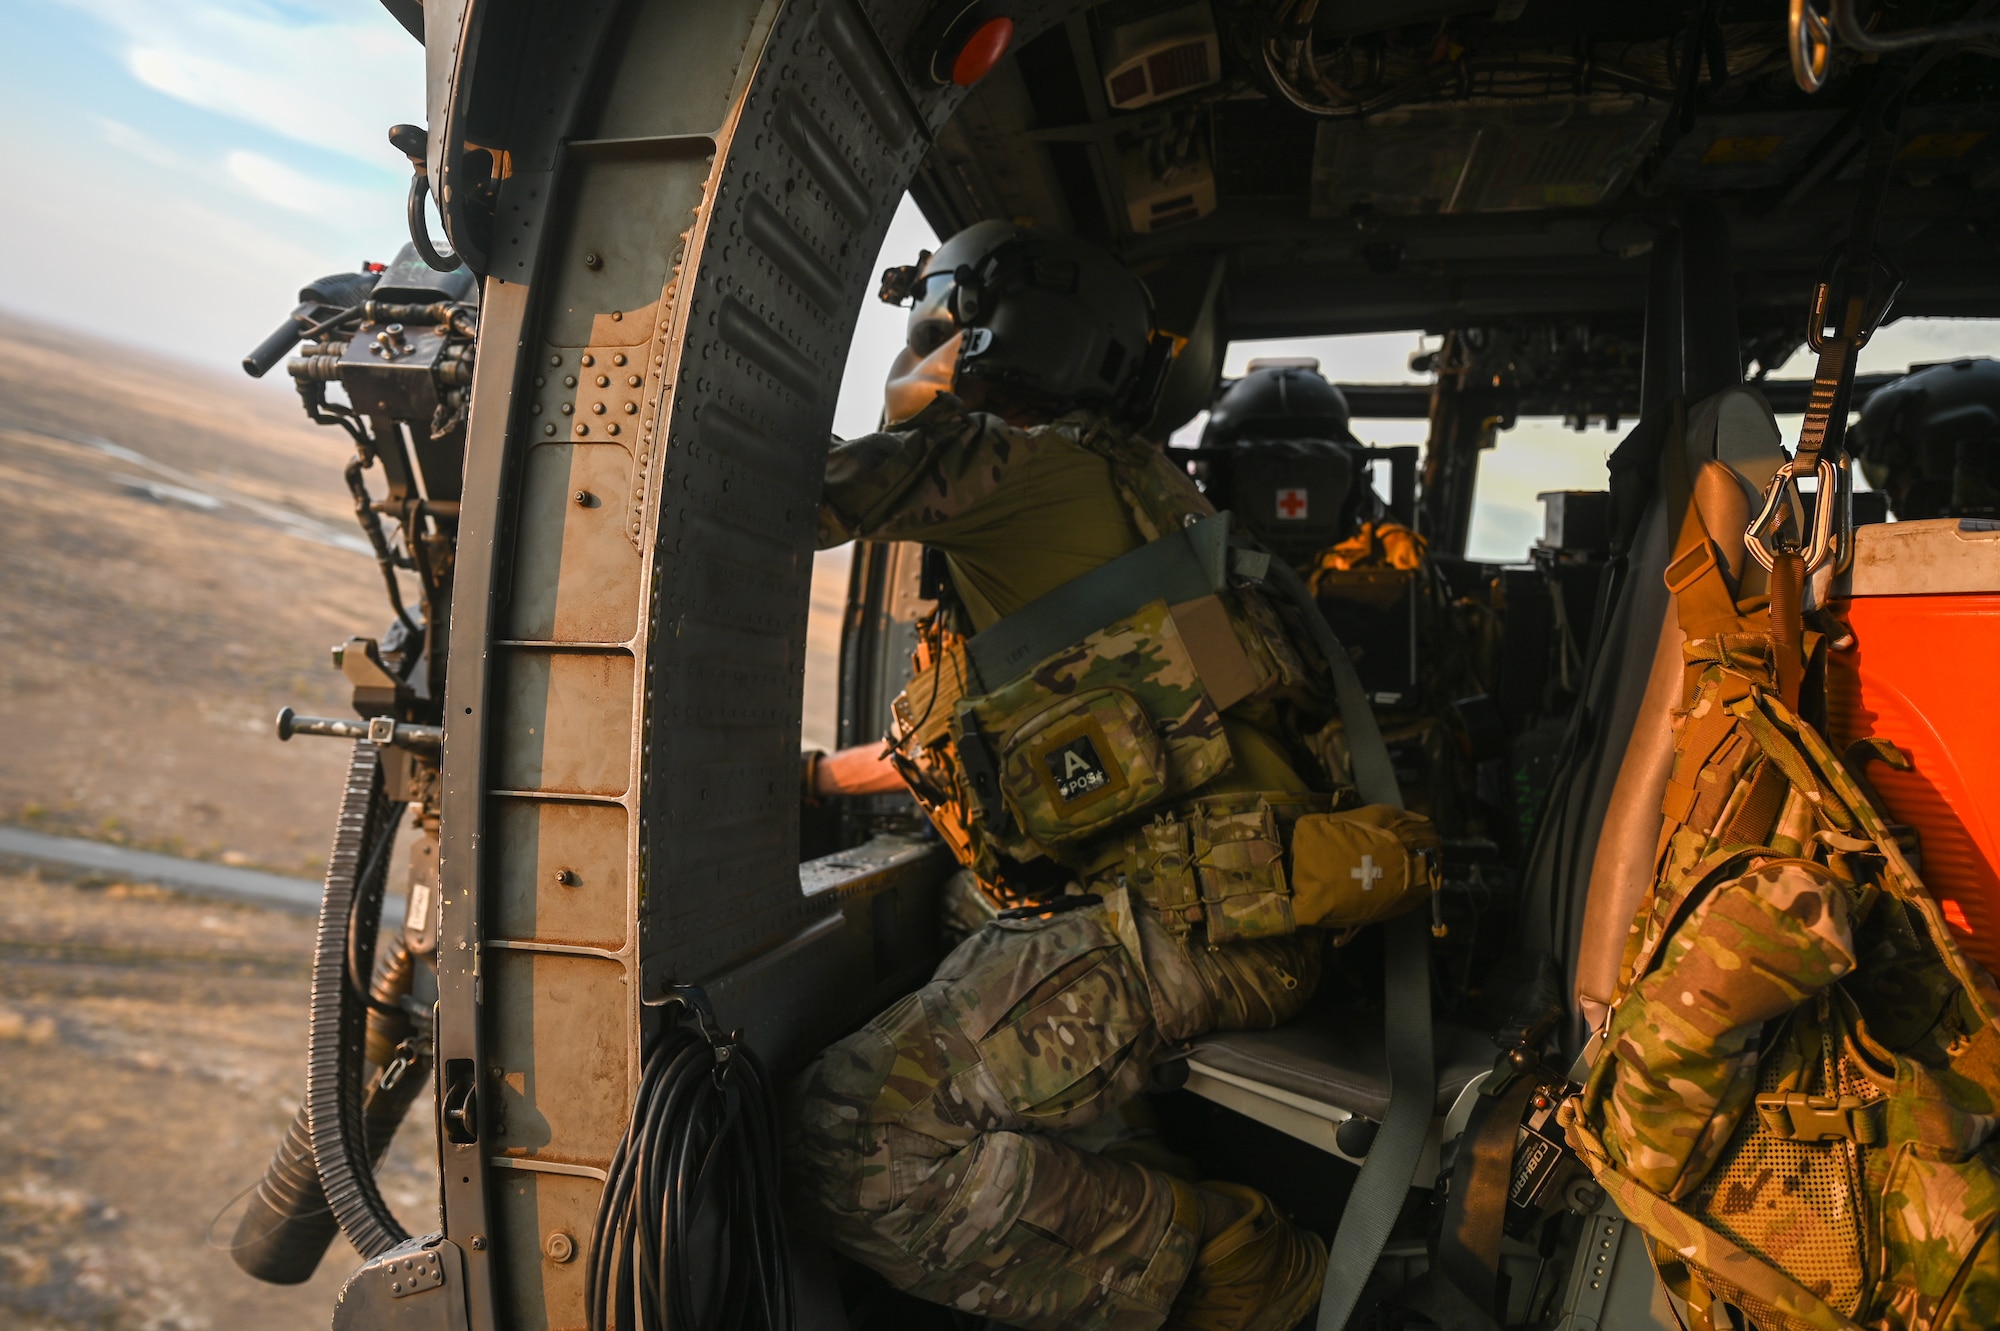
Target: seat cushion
pixel 1340 1059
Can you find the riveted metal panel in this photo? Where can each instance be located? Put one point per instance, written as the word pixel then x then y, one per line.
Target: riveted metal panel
pixel 576 576
pixel 558 709
pixel 559 1072
pixel 546 1294
pixel 560 873
pixel 694 196
pixel 824 142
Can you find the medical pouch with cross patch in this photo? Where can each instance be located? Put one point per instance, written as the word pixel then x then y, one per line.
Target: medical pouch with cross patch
pixel 1360 866
pixel 1091 735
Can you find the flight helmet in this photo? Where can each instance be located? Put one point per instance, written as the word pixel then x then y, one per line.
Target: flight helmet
pixel 1279 398
pixel 1931 440
pixel 1045 319
pixel 1278 454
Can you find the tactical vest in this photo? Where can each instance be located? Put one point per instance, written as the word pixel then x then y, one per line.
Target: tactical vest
pixel 1080 730
pixel 1798 1088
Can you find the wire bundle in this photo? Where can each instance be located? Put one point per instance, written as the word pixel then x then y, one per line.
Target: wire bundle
pixel 693 1192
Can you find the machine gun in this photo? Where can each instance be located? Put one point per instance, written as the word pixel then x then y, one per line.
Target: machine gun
pixel 397 341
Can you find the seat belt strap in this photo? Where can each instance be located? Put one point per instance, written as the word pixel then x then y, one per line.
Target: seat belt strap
pixel 1482 1179
pixel 1391 1167
pixel 1181 566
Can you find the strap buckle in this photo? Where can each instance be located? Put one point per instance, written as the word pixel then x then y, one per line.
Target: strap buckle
pixel 1828 539
pixel 1875 290
pixel 1818 1118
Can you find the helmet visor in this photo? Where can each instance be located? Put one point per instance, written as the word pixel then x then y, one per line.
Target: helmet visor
pixel 933 312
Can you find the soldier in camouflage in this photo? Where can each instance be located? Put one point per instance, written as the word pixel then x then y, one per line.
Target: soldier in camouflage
pixel 945 1143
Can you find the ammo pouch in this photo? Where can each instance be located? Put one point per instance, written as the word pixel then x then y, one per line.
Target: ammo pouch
pixel 1797 1093
pixel 1219 861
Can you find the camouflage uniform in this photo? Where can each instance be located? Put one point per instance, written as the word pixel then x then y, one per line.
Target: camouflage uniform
pixel 1797 1095
pixel 930 1145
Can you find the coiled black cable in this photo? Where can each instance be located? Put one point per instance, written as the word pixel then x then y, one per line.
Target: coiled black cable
pixel 689 1233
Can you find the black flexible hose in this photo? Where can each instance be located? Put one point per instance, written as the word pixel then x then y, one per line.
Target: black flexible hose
pixel 701 1152
pixel 350 913
pixel 287 1226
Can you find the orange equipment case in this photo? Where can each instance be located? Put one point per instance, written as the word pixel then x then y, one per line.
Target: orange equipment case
pixel 1923 600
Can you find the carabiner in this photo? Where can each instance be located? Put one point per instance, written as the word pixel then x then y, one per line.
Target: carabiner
pixel 1810 44
pixel 1761 535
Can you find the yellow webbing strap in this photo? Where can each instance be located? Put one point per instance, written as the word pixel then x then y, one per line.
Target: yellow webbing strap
pixel 1703 599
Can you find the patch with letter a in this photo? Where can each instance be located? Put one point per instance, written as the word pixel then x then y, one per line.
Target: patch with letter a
pixel 1077 769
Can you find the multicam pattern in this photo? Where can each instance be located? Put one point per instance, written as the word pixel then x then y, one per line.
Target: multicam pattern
pixel 1141 657
pixel 1240 864
pixel 1789 953
pixel 942 1144
pixel 929 1145
pixel 1686 1040
pixel 945 463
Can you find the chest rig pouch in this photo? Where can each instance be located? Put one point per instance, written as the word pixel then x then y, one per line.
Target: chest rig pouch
pixel 1094 704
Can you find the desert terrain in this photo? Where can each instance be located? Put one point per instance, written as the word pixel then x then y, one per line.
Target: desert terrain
pixel 155 1050
pixel 177 554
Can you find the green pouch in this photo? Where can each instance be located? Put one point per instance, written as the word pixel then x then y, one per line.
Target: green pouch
pixel 1082 763
pixel 1159 865
pixel 1240 865
pixel 1100 731
pixel 1686 1040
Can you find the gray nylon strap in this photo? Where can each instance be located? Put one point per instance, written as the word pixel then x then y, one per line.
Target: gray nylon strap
pixel 1180 566
pixel 1391 1166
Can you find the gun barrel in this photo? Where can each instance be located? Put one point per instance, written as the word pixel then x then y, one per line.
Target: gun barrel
pixel 272 349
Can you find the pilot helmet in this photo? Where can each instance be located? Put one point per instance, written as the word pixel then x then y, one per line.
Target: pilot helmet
pixel 1931 441
pixel 1046 319
pixel 1279 397
pixel 1279 455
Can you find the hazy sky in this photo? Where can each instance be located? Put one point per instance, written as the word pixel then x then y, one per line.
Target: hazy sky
pixel 177 169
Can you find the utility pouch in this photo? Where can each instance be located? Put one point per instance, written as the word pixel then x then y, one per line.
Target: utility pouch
pixel 1219 861
pixel 1081 763
pixel 1159 867
pixel 1095 733
pixel 1361 866
pixel 1240 866
pixel 1686 1040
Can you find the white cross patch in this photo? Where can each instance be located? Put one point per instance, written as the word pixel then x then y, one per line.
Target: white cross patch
pixel 1367 872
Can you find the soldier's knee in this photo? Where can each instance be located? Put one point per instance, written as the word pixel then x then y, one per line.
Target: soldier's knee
pixel 836 1123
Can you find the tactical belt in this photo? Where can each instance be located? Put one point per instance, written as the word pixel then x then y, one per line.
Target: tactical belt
pixel 1181 566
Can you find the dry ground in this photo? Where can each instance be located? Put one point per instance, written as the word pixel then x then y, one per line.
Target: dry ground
pixel 176 556
pixel 175 559
pixel 156 611
pixel 167 583
pixel 154 1052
